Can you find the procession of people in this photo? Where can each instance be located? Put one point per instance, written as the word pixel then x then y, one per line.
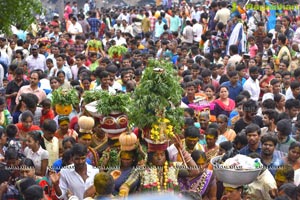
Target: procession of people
pixel 167 99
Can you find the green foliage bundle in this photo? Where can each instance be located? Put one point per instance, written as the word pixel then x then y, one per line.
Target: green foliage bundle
pixel 117 50
pixel 65 97
pixel 157 96
pixel 92 95
pixel 113 162
pixel 108 103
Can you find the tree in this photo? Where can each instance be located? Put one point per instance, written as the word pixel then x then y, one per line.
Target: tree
pixel 19 13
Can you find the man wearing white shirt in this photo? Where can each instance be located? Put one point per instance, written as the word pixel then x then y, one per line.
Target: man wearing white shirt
pixel 197 31
pixel 3 46
pixel 124 16
pixel 274 89
pixel 36 60
pixel 127 28
pixel 196 14
pixel 294 90
pixel 60 61
pixel 119 39
pixel 74 28
pixel 118 26
pixel 112 70
pixel 77 177
pixel 86 7
pixel 76 69
pixel 252 84
pixel 223 14
pixel 49 127
pixel 104 79
pixel 188 34
pixel 54 53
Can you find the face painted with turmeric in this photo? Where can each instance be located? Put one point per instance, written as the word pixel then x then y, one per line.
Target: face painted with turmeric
pixel 210 140
pixel 201 162
pixel 191 142
pixel 86 139
pixel 232 193
pixel 126 159
pixel 280 178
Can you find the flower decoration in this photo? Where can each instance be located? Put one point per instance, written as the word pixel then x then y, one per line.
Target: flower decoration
pixel 151 180
pixel 161 129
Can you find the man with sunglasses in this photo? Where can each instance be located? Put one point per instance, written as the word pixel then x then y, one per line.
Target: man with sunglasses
pixel 250 116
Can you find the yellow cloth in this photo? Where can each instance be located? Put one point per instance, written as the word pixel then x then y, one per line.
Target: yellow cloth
pixel 87 136
pixel 64 122
pixel 284 53
pixel 53 148
pixel 124 191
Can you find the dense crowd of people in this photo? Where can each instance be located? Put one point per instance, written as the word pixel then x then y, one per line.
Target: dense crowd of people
pixel 241 64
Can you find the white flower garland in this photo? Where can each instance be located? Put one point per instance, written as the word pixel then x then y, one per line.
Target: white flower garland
pixel 151 179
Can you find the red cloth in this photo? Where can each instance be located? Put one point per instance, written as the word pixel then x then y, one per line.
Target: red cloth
pixel 73 122
pixel 228 107
pixel 54 23
pixel 48 115
pixel 157 147
pixel 87 62
pixel 23 130
pixel 136 131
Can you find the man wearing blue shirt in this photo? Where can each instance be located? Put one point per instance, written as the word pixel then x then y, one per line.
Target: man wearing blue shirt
pixel 253 136
pixel 271 158
pixel 233 85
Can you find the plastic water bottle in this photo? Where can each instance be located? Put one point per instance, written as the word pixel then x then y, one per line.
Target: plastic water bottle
pixel 256 164
pixel 9 119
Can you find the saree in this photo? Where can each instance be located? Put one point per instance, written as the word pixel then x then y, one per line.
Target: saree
pixel 198 184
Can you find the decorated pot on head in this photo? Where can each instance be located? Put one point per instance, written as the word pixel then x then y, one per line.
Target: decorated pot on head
pixel 128 141
pixel 63 100
pixel 86 125
pixel 159 134
pixel 156 103
pixel 111 111
pixel 114 124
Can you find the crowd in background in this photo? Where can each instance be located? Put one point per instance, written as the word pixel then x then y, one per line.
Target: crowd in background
pixel 244 63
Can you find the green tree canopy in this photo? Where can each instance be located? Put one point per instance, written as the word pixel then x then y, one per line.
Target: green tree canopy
pixel 18 12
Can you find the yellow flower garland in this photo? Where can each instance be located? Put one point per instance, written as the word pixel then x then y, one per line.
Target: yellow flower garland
pixel 161 127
